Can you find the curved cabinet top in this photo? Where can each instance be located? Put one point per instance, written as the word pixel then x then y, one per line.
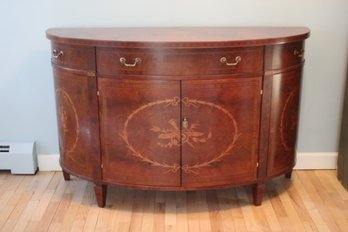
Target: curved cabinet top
pixel 176 37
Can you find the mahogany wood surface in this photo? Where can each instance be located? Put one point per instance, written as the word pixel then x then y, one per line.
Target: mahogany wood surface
pixel 78 123
pixel 258 190
pixel 140 131
pixel 183 62
pixel 100 193
pixel 66 175
pixel 74 57
pixel 284 121
pixel 178 37
pixel 220 144
pixel 283 56
pixel 177 108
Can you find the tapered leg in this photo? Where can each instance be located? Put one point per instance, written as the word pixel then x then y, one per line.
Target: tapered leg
pixel 258 190
pixel 288 174
pixel 66 175
pixel 100 193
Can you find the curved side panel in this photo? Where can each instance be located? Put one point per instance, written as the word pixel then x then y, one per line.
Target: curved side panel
pixel 284 121
pixel 77 117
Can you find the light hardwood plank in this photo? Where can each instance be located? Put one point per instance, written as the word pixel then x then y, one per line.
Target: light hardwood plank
pixel 181 212
pixel 192 211
pixel 310 201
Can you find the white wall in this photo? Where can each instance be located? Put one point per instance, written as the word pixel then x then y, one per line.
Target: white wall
pixel 26 88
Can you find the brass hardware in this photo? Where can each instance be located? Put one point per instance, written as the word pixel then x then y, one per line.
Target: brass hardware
pixel 56 54
pixel 299 53
pixel 136 61
pixel 185 123
pixel 237 60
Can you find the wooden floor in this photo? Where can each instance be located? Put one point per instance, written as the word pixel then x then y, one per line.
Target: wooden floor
pixel 311 201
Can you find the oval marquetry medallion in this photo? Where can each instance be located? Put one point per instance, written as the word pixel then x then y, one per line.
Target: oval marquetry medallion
pixel 288 120
pixel 68 121
pixel 171 134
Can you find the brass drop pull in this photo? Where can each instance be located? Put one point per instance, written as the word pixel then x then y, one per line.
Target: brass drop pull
pixel 237 60
pixel 56 54
pixel 185 123
pixel 124 62
pixel 299 53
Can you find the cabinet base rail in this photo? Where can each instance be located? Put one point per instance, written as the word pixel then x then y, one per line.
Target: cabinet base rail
pixel 258 190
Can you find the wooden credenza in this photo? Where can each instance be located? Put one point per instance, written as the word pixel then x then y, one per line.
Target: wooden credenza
pixel 177 108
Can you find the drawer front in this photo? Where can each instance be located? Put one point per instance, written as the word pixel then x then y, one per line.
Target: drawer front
pixel 74 57
pixel 111 61
pixel 283 56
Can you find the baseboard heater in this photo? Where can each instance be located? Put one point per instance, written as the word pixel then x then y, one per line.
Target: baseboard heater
pixel 19 157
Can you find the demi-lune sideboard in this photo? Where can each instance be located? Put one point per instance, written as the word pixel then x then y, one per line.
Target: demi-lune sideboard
pixel 177 108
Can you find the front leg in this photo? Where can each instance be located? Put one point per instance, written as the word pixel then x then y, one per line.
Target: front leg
pixel 258 190
pixel 66 175
pixel 100 193
pixel 288 174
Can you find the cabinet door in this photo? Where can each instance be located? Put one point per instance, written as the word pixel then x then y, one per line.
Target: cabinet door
pixel 140 131
pixel 77 113
pixel 220 131
pixel 283 122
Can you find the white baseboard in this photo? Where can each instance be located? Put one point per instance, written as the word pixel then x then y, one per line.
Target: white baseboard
pixel 48 162
pixel 316 160
pixel 305 160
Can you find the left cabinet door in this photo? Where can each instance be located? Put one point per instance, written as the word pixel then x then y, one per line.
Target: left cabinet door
pixel 77 113
pixel 140 131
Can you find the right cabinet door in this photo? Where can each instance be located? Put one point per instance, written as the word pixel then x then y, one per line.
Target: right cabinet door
pixel 283 121
pixel 220 131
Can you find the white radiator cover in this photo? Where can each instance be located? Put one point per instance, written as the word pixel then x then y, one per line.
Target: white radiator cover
pixel 19 157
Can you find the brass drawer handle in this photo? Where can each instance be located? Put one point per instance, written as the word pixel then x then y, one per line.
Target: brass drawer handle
pixel 237 60
pixel 56 54
pixel 124 62
pixel 299 53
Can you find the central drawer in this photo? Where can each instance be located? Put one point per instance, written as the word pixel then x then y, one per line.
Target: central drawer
pixel 162 62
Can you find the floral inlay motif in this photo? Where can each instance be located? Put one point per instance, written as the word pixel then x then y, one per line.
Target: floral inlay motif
pixel 188 136
pixel 134 152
